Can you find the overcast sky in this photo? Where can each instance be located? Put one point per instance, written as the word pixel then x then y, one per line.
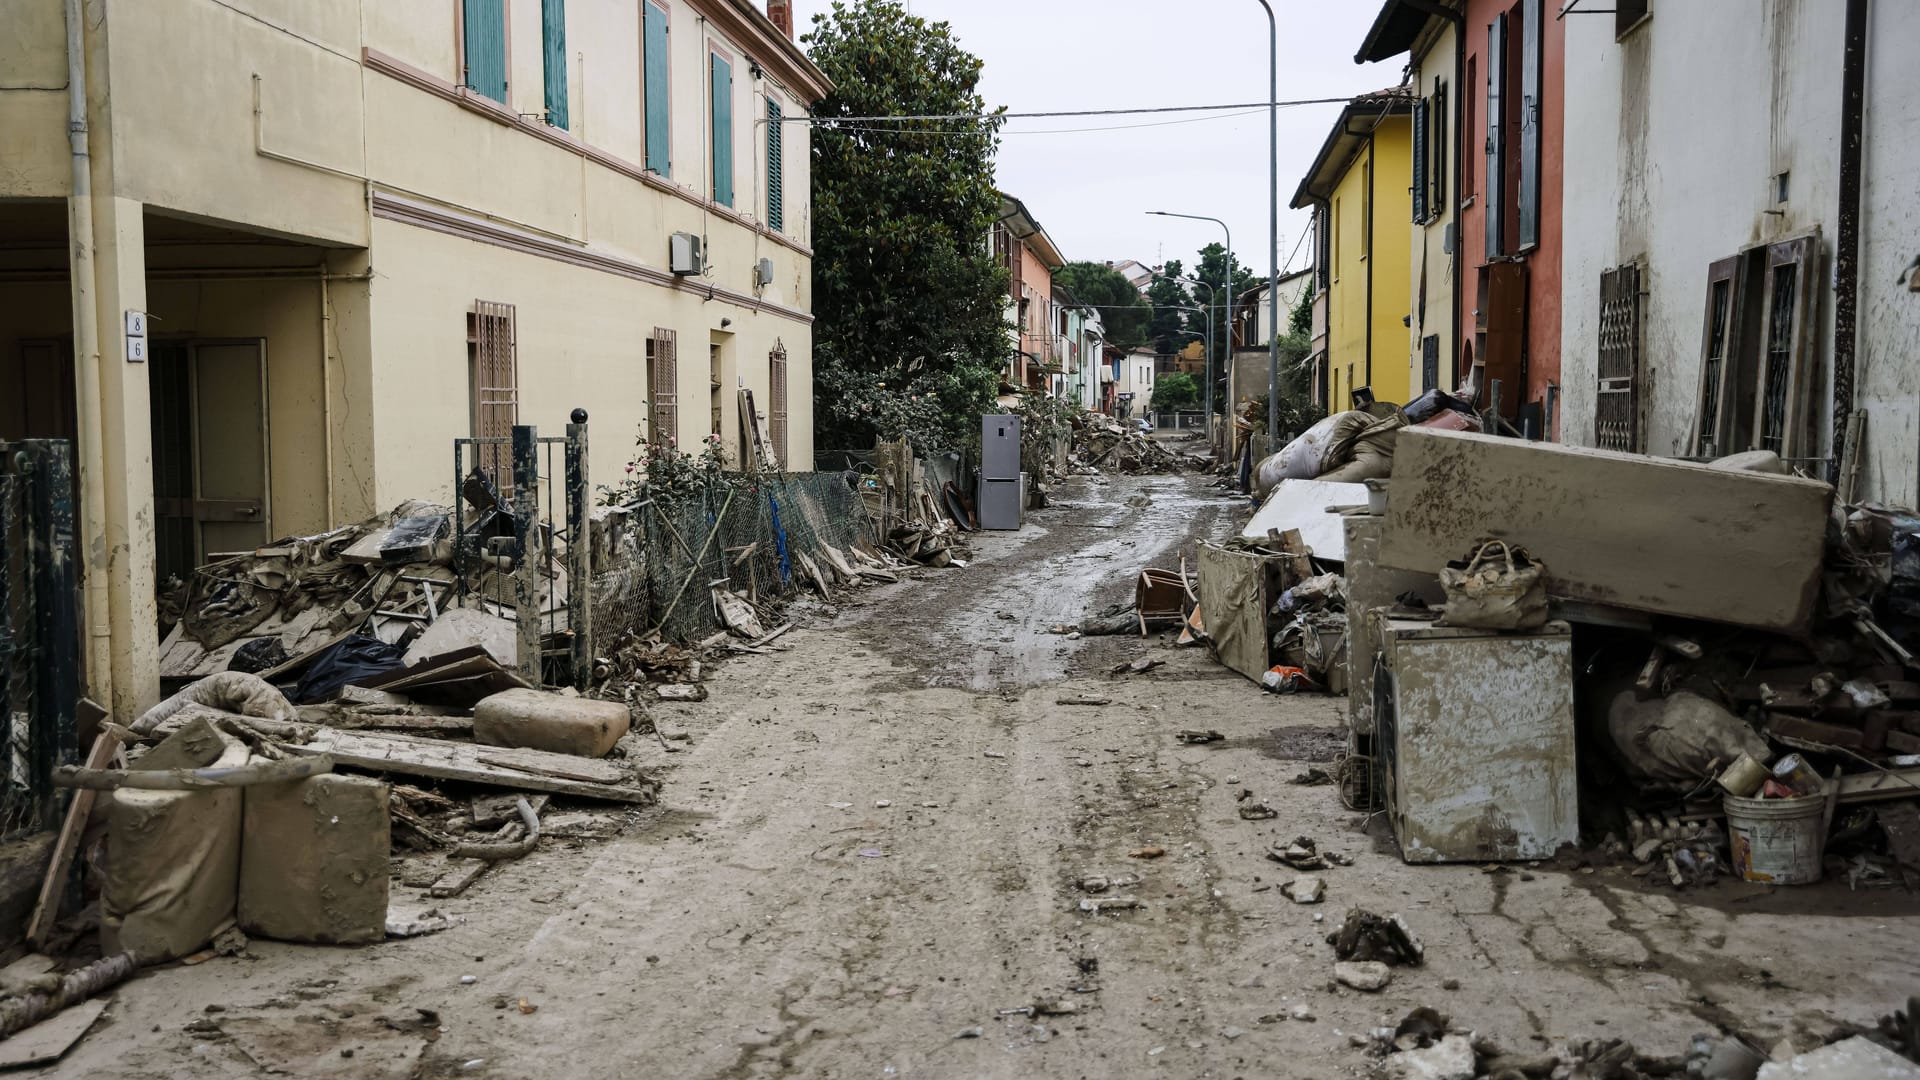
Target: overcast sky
pixel 1091 189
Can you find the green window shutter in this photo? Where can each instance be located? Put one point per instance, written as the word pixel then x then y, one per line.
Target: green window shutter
pixel 1420 161
pixel 722 129
pixel 776 170
pixel 659 156
pixel 484 25
pixel 553 49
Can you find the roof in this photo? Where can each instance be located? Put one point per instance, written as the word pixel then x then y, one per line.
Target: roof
pixel 747 25
pixel 1014 214
pixel 1395 29
pixel 1344 143
pixel 1259 288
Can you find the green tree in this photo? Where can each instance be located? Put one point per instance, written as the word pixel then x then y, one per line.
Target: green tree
pixel 1168 295
pixel 910 335
pixel 1212 269
pixel 1174 391
pixel 1124 314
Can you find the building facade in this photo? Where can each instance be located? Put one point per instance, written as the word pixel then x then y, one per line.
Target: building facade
pixel 1361 201
pixel 1740 248
pixel 1486 181
pixel 1028 254
pixel 293 251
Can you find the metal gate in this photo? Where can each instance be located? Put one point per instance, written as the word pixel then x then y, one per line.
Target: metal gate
pixel 39 629
pixel 1616 410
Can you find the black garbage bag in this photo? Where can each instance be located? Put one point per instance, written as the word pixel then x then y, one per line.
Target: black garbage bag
pixel 1428 405
pixel 258 655
pixel 361 656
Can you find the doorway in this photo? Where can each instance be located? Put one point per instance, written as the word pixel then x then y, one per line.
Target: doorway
pixel 210 474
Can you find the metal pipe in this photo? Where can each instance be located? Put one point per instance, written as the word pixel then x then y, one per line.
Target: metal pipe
pixel 1273 221
pixel 1846 263
pixel 86 362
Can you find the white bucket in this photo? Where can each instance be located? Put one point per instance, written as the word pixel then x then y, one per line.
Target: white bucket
pixel 1778 841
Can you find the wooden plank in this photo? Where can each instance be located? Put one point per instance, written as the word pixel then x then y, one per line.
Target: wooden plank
pixel 47 1040
pixel 509 767
pixel 1870 786
pixel 460 874
pixel 46 910
pixel 1669 537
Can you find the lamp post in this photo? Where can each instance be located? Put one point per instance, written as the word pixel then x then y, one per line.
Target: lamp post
pixel 1206 347
pixel 1273 223
pixel 1207 394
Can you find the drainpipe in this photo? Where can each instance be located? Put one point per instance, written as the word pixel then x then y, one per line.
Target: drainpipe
pixel 1367 232
pixel 86 362
pixel 1457 105
pixel 1846 271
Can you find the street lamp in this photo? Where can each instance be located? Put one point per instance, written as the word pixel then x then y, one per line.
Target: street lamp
pixel 1207 400
pixel 1206 346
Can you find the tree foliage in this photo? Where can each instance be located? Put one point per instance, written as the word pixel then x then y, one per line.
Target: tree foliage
pixel 1174 391
pixel 1168 295
pixel 911 331
pixel 1212 269
pixel 1124 313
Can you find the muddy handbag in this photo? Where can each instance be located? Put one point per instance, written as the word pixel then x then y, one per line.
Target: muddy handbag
pixel 1496 587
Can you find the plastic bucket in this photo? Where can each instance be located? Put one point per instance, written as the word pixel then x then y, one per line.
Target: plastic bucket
pixel 1778 841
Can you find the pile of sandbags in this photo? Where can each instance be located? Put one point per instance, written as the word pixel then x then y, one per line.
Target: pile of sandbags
pixel 1344 448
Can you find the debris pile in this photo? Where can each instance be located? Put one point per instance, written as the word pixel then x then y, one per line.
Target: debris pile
pixel 1428 1045
pixel 1103 443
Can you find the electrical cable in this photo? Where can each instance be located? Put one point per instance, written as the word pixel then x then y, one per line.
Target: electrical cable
pixel 1068 112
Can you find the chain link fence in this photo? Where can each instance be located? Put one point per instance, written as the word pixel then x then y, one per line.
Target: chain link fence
pixel 39 642
pixel 657 561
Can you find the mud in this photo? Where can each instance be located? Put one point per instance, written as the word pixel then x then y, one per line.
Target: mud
pixel 771 919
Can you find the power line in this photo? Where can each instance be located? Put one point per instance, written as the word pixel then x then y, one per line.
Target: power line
pixel 1068 112
pixel 883 130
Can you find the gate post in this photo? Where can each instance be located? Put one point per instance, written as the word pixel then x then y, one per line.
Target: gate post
pixel 579 550
pixel 527 541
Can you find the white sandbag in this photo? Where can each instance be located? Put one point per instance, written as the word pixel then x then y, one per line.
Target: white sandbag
pixel 1679 739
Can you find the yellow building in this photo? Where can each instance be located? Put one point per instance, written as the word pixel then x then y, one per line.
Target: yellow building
pixel 1358 191
pixel 294 250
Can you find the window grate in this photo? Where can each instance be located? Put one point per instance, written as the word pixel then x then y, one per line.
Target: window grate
pixel 1617 396
pixel 495 386
pixel 777 402
pixel 663 389
pixel 1780 311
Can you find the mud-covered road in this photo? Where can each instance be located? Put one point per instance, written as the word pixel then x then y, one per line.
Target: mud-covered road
pixel 866 861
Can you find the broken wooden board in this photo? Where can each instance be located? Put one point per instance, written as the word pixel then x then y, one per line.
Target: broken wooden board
pixel 51 1038
pixel 492 766
pixel 737 614
pixel 1651 534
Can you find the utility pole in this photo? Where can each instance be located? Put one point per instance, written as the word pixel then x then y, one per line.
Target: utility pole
pixel 1273 225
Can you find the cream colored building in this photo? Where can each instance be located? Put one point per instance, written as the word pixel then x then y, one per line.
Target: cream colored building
pixel 351 231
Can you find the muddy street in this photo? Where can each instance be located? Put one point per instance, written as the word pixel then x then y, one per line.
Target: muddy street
pixel 866 864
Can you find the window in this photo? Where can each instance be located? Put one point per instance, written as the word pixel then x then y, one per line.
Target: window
pixel 721 89
pixel 1528 123
pixel 777 402
pixel 1616 423
pixel 663 389
pixel 553 53
pixel 1514 116
pixel 493 386
pixel 1419 188
pixel 776 173
pixel 1628 14
pixel 1496 134
pixel 483 47
pixel 1366 207
pixel 1430 362
pixel 657 96
pixel 1442 149
pixel 1466 130
pixel 1333 237
pixel 1757 379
